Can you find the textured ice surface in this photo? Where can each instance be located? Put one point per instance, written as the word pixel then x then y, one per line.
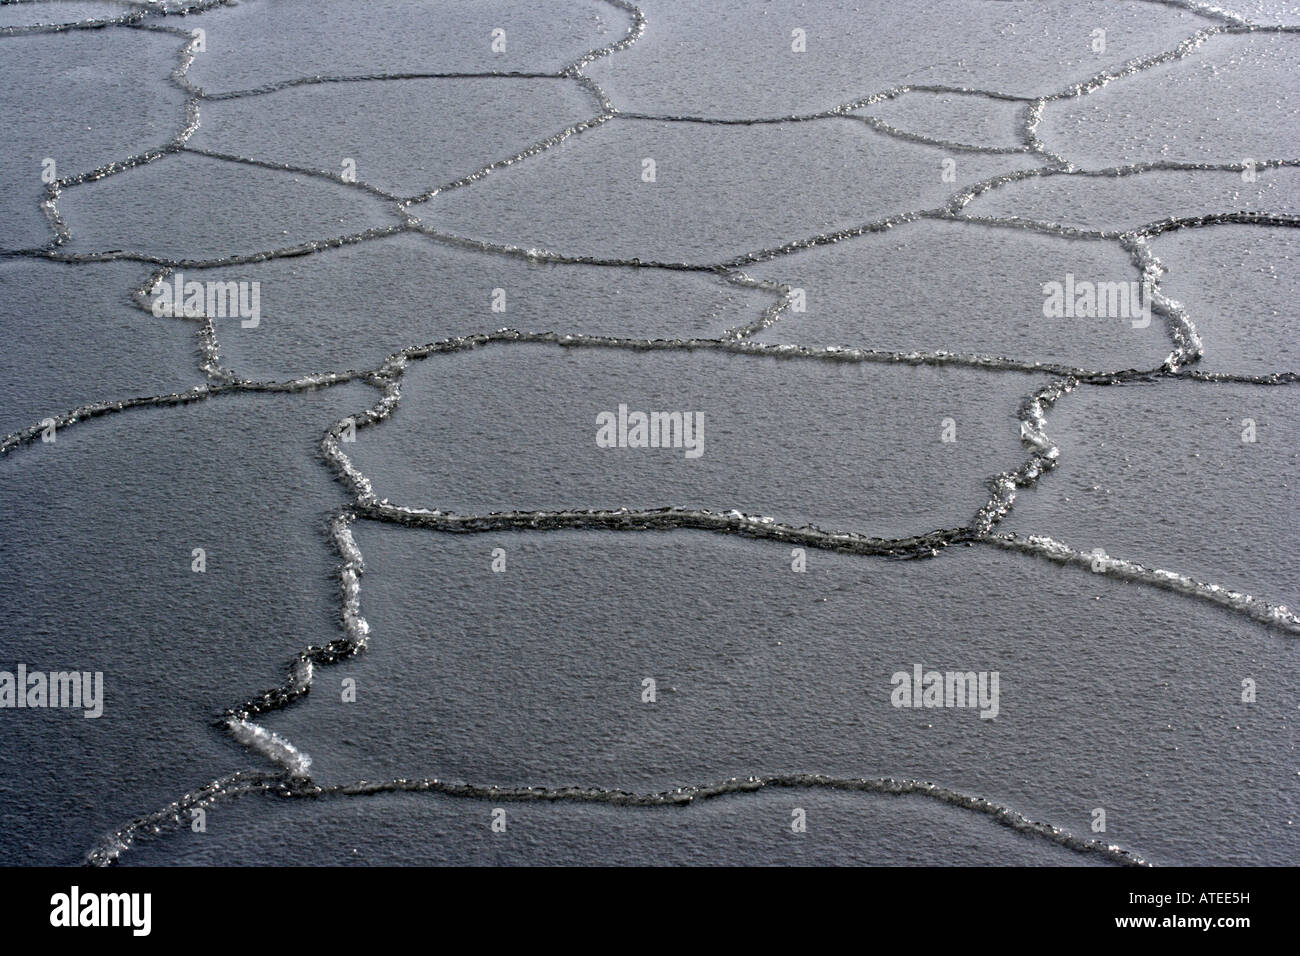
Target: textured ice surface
pixel 403 137
pixel 1110 695
pixel 1235 98
pixel 395 36
pixel 934 285
pixel 98 102
pixel 151 210
pixel 1241 284
pixel 1266 12
pixel 449 291
pixel 735 60
pixel 1121 687
pixel 102 348
pixel 954 117
pixel 423 829
pixel 1124 202
pixel 799 440
pixel 1162 476
pixel 718 191
pixel 96 540
pixel 65 11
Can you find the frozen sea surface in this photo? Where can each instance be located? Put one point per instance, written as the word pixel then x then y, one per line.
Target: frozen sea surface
pixel 340 531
